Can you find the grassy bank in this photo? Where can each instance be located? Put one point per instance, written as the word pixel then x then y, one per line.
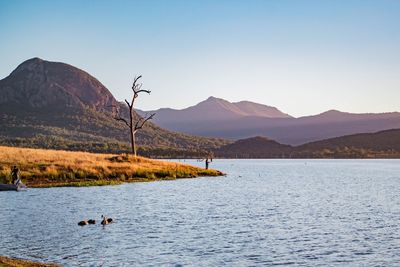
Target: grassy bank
pixel 11 262
pixel 50 168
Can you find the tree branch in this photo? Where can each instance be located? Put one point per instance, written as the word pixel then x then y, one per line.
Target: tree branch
pixel 138 86
pixel 134 85
pixel 117 117
pixel 123 120
pixel 129 105
pixel 140 123
pixel 142 91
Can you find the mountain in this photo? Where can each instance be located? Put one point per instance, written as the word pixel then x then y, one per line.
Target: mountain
pixel 254 147
pixel 215 110
pixel 219 118
pixel 388 140
pixel 38 84
pixel 383 144
pixel 55 105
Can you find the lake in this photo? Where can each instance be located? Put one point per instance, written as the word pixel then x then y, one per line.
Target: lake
pixel 263 212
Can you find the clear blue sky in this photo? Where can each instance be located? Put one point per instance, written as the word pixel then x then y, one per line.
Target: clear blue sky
pixel 303 57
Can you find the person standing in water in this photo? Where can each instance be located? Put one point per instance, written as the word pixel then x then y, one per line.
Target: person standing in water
pixel 15 174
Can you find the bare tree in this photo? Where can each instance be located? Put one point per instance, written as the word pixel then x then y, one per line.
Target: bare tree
pixel 134 123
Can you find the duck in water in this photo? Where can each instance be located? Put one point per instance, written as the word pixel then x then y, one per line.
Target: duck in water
pixel 86 222
pixel 106 220
pixel 82 223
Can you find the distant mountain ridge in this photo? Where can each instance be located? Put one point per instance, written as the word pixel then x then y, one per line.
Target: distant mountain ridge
pixel 217 109
pixel 219 118
pixel 383 144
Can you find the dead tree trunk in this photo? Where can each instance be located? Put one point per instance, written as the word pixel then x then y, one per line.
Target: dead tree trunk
pixel 133 143
pixel 133 124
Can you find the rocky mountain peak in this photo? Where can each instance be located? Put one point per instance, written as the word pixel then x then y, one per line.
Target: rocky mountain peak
pixel 37 83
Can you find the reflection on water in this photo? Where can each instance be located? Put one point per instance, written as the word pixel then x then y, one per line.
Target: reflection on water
pixel 264 212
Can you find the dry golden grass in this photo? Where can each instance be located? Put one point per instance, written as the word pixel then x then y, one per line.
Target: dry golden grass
pixel 47 168
pixel 10 262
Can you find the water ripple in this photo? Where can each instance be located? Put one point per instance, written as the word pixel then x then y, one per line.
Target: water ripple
pixel 323 213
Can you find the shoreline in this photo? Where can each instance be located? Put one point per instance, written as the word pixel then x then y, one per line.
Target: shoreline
pixel 112 183
pixel 41 168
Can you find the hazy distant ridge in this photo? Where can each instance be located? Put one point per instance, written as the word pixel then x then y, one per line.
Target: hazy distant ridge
pixel 383 144
pixel 216 109
pixel 216 117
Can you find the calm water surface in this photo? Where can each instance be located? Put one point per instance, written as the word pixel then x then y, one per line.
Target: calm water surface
pixel 264 212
